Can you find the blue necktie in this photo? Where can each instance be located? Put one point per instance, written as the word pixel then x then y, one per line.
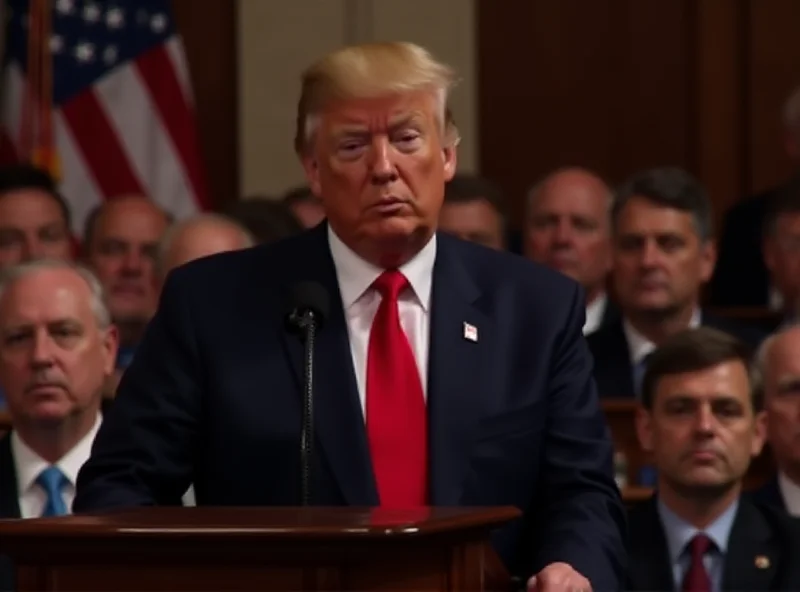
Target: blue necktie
pixel 52 480
pixel 638 374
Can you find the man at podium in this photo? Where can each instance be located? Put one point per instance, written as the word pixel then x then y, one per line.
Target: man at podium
pixel 444 373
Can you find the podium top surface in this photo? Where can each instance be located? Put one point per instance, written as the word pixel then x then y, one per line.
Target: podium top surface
pixel 260 522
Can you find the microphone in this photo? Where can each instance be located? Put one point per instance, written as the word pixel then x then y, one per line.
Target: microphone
pixel 309 308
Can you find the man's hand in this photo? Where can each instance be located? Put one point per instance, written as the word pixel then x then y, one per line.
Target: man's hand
pixel 558 577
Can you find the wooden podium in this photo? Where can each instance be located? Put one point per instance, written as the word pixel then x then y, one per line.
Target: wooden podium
pixel 219 549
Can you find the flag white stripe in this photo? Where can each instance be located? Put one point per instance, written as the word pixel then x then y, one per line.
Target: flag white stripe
pixel 78 185
pixel 146 142
pixel 12 102
pixel 178 58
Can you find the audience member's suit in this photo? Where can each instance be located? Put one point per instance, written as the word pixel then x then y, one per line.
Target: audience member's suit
pixel 740 277
pixel 9 505
pixel 762 554
pixel 770 494
pixel 612 359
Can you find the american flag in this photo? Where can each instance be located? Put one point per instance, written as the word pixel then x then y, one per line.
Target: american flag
pixel 122 107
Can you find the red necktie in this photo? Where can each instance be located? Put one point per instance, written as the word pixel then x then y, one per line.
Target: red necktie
pixel 396 416
pixel 697 578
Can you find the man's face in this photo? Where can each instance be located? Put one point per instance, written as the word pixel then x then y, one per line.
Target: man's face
pixel 476 221
pixel 54 357
pixel 379 166
pixel 660 263
pixel 568 229
pixel 702 430
pixel 782 257
pixel 782 399
pixel 122 253
pixel 32 226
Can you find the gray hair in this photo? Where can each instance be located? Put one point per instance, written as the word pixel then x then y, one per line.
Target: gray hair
pixel 168 239
pixel 98 303
pixel 791 110
pixel 758 372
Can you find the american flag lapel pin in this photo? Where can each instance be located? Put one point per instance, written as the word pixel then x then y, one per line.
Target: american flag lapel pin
pixel 470 332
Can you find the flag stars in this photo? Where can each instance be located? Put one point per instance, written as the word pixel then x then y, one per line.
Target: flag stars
pixel 56 44
pixel 110 54
pixel 158 23
pixel 91 13
pixel 84 52
pixel 65 6
pixel 115 18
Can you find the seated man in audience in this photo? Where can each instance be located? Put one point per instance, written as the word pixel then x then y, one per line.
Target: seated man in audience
pixel 741 278
pixel 120 242
pixel 782 250
pixel 702 422
pixel 34 217
pixel 567 228
pixel 473 210
pixel 200 236
pixel 778 364
pixel 663 253
pixel 57 348
pixel 305 206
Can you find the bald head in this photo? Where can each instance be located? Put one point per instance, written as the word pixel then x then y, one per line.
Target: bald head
pixel 198 237
pixel 568 226
pixel 779 365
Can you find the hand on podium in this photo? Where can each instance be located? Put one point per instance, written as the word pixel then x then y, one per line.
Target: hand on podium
pixel 559 577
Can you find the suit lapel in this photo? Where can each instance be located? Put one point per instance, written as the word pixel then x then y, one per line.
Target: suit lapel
pixel 9 500
pixel 612 356
pixel 459 382
pixel 753 556
pixel 338 418
pixel 649 562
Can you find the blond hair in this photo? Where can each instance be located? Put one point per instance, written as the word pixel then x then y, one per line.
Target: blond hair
pixel 368 71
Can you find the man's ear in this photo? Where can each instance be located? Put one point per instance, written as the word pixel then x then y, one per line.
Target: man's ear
pixel 311 169
pixel 450 157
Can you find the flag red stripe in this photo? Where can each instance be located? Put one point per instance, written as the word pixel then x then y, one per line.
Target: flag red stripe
pixel 176 115
pixel 8 154
pixel 98 141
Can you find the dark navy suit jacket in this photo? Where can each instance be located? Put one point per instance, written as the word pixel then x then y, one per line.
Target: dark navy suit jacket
pixel 213 397
pixel 609 346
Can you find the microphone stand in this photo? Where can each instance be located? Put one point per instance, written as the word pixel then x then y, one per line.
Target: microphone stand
pixel 307 324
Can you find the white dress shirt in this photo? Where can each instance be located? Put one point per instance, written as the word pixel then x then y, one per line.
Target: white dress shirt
pixel 594 314
pixel 790 491
pixel 28 465
pixel 639 346
pixel 355 276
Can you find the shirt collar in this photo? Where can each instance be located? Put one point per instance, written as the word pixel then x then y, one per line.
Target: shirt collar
pixel 790 491
pixel 639 346
pixel 356 275
pixel 679 532
pixel 29 464
pixel 594 313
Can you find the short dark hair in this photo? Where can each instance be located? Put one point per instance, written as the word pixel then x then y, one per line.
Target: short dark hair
pixel 669 187
pixel 469 188
pixel 785 201
pixel 691 351
pixel 27 176
pixel 267 220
